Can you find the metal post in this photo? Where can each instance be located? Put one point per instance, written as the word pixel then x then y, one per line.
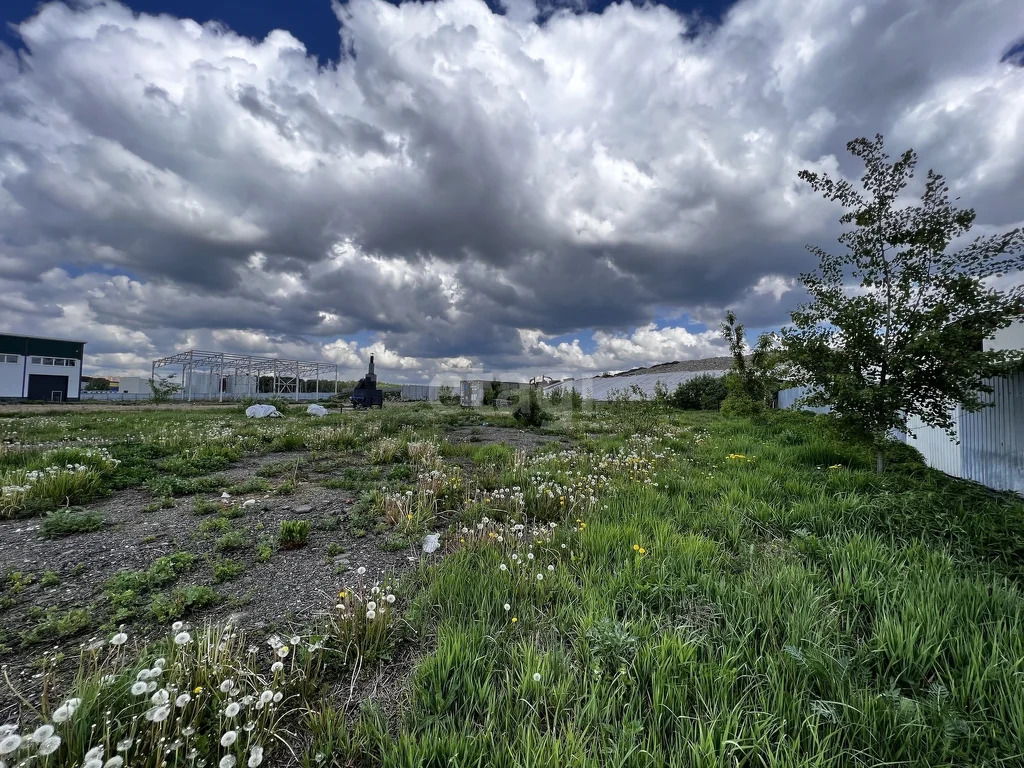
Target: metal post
pixel 296 381
pixel 318 382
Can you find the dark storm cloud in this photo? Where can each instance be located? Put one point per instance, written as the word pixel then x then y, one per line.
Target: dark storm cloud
pixel 464 184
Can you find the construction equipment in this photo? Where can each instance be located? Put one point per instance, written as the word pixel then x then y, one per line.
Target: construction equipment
pixel 366 394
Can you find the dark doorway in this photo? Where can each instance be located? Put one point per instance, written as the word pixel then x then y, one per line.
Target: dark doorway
pixel 41 387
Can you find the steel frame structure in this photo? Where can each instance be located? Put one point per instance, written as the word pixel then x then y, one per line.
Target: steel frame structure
pixel 287 374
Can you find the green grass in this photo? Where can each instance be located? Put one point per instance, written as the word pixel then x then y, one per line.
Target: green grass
pixel 67 522
pixel 721 592
pixel 293 534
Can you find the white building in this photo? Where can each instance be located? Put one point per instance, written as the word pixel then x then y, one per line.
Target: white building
pixel 38 368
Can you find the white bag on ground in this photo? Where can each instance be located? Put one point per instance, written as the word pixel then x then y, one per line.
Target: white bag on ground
pixel 262 411
pixel 431 542
pixel 317 410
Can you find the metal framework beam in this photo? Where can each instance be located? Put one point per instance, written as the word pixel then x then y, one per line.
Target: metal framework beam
pixel 205 373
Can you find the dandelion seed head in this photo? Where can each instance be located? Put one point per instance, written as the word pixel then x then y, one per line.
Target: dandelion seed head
pixel 228 738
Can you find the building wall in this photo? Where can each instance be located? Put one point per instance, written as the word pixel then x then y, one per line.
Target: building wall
pixel 73 374
pixel 133 385
pixel 28 347
pixel 12 377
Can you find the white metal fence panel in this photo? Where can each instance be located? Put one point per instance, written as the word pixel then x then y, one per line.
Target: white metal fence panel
pixel 991 447
pixel 599 388
pixel 993 438
pixel 938 448
pixel 788 397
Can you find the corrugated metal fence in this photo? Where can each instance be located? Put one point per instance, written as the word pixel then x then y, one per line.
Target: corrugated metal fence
pixel 991 447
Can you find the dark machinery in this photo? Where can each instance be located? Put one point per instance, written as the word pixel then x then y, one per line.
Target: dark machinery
pixel 366 394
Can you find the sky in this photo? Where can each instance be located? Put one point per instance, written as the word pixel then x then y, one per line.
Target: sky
pixel 463 188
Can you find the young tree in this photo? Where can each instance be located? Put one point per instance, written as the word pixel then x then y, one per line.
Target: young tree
pixel 98 384
pixel 895 326
pixel 163 389
pixel 752 383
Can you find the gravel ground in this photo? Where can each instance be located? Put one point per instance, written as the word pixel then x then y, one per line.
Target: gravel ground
pixel 289 589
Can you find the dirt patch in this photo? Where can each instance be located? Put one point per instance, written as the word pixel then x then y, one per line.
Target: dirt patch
pixel 71 573
pixel 517 438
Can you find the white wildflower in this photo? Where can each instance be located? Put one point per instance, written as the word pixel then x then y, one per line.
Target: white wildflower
pixel 182 638
pixel 182 700
pixel 176 626
pixel 232 709
pixel 536 677
pixel 295 640
pixel 9 743
pixel 42 733
pixel 49 746
pixel 228 761
pixel 278 696
pixel 390 599
pixel 502 567
pixel 360 570
pixel 508 607
pixel 228 738
pixel 160 697
pixel 226 685
pixel 139 688
pixel 119 639
pixel 125 744
pixel 371 606
pixel 159 713
pixel 115 762
pixel 277 666
pixel 266 696
pixel 96 753
pixel 255 756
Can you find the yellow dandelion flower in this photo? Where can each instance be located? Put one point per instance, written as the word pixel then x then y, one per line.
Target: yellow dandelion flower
pixel 342 593
pixel 643 551
pixel 198 689
pixel 515 619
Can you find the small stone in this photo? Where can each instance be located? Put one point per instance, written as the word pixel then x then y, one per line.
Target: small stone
pixel 303 509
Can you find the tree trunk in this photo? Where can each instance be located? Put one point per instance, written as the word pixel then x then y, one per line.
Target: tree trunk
pixel 879 461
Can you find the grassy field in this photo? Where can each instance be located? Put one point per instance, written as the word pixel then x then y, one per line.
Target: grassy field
pixel 651 588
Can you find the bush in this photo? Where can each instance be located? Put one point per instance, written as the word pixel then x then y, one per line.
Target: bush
pixel 293 534
pixel 576 400
pixel 701 393
pixel 738 402
pixel 446 396
pixel 528 411
pixel 66 522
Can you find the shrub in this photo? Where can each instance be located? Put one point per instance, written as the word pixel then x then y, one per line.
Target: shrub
pixel 701 393
pixel 528 411
pixel 293 534
pixel 66 522
pixel 226 570
pixel 446 396
pixel 230 541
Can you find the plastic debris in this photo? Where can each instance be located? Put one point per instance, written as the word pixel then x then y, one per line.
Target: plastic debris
pixel 260 411
pixel 317 410
pixel 431 542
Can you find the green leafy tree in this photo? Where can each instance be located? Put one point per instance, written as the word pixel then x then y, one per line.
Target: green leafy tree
pixel 98 384
pixel 895 326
